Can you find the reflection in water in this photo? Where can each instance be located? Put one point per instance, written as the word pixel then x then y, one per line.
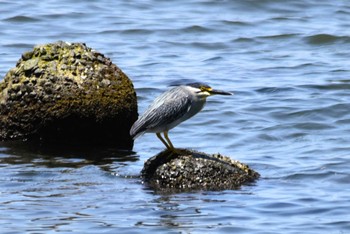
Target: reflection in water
pixel 180 211
pixel 52 156
pixel 57 187
pixel 289 119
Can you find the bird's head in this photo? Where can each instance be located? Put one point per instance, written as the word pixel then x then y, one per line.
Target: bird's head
pixel 204 90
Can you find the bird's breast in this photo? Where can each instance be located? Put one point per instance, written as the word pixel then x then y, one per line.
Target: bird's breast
pixel 196 107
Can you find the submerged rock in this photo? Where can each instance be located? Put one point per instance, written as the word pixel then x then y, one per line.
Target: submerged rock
pixel 192 170
pixel 67 92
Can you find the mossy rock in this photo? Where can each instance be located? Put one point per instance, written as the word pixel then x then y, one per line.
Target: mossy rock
pixel 67 92
pixel 189 170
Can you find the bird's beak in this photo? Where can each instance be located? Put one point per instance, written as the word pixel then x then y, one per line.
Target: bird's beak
pixel 219 92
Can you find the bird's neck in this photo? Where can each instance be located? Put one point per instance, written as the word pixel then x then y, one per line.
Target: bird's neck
pixel 198 106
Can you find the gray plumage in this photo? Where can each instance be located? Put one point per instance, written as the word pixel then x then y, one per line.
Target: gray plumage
pixel 171 108
pixel 167 111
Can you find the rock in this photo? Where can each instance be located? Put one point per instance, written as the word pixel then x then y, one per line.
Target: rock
pixel 30 64
pixel 192 170
pixel 70 93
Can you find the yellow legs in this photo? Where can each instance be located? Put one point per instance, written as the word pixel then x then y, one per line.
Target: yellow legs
pixel 173 151
pixel 167 143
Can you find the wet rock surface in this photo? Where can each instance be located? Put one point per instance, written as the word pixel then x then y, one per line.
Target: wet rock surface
pixel 192 170
pixel 67 92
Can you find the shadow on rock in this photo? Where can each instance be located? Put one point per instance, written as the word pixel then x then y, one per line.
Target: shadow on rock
pixel 189 170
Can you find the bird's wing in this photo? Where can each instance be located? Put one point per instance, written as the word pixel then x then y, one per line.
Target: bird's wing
pixel 165 109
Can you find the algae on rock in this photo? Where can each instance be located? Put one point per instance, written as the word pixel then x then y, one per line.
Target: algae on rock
pixel 67 92
pixel 191 170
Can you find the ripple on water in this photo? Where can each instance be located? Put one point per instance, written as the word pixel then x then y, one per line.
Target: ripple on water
pixel 322 39
pixel 288 67
pixel 21 19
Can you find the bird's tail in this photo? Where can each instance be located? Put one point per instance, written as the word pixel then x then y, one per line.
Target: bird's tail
pixel 136 130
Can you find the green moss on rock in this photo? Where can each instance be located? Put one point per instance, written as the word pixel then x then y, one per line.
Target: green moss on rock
pixel 62 91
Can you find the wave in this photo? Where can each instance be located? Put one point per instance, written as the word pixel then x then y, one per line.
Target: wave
pixel 21 19
pixel 319 39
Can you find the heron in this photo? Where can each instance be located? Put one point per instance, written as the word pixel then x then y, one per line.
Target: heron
pixel 172 108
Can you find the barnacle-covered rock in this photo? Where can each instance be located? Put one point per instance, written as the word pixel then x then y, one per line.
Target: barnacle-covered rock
pixel 67 92
pixel 191 170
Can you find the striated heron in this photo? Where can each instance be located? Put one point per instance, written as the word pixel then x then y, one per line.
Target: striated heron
pixel 171 108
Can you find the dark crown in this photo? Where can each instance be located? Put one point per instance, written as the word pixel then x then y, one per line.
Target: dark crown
pixel 199 85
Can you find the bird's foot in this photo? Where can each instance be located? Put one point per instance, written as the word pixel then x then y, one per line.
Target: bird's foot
pixel 174 153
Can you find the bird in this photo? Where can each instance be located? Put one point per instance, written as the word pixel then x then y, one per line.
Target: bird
pixel 172 108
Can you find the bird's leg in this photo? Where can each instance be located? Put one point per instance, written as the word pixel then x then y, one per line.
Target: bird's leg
pixel 173 152
pixel 172 148
pixel 164 142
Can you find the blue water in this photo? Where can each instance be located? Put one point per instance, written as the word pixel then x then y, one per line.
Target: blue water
pixel 286 62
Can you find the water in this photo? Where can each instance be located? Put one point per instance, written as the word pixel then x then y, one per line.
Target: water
pixel 286 62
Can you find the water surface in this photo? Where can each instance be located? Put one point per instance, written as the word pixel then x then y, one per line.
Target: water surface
pixel 286 62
